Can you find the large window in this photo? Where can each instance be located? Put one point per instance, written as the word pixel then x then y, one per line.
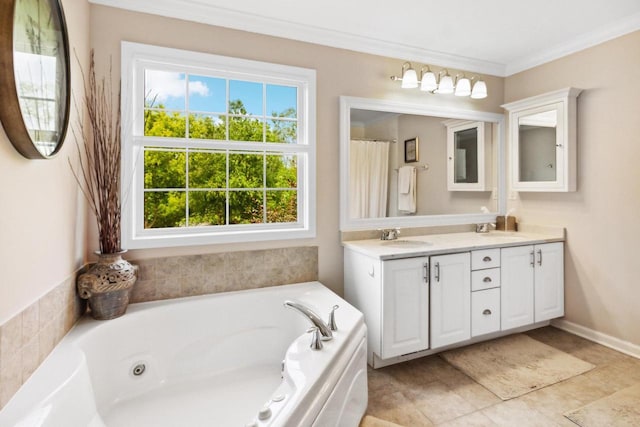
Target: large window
pixel 215 149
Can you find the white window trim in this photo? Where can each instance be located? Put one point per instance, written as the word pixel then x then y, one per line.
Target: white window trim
pixel 135 57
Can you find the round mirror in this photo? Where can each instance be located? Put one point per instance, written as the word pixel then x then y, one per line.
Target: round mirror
pixel 34 59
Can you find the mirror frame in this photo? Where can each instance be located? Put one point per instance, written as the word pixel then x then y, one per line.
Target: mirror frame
pixel 355 224
pixel 10 111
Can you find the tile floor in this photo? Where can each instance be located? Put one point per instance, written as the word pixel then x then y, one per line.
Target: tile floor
pixel 429 391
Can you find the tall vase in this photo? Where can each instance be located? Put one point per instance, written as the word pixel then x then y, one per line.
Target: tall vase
pixel 107 285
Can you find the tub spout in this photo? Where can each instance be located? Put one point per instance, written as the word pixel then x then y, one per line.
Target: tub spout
pixel 312 317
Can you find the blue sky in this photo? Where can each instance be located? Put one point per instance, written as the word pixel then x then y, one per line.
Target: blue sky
pixel 208 94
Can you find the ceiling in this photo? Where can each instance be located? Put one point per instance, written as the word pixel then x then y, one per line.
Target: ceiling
pixel 498 37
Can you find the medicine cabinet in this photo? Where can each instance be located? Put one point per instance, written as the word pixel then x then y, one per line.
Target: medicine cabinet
pixel 542 141
pixel 468 157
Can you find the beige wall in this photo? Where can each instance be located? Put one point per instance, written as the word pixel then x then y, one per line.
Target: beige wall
pixel 42 232
pixel 339 72
pixel 603 230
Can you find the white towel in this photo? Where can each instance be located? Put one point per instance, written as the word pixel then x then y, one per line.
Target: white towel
pixel 407 189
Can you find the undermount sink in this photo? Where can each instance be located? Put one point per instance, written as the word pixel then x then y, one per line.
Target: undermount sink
pixel 406 243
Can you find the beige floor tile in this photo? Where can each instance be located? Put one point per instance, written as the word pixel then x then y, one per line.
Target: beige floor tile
pixel 414 373
pixel 429 391
pixel 476 419
pixel 582 389
pixel 381 381
pixel 438 402
pixel 553 401
pixel 517 412
pixel 469 390
pixel 396 408
pixel 371 421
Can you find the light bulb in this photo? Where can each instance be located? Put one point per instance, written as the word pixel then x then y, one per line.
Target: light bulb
pixel 409 79
pixel 446 84
pixel 463 87
pixel 428 83
pixel 479 90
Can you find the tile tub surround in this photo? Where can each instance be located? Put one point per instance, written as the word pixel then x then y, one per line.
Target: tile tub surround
pixel 190 275
pixel 27 338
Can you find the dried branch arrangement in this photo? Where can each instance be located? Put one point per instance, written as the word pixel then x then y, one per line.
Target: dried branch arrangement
pixel 98 173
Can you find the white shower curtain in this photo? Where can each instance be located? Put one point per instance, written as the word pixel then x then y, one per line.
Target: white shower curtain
pixel 368 178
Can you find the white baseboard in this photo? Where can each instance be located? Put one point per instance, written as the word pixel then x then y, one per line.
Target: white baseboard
pixel 622 346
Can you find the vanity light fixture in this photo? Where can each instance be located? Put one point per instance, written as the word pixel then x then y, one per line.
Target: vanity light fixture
pixel 463 87
pixel 409 76
pixel 428 81
pixel 446 85
pixel 441 82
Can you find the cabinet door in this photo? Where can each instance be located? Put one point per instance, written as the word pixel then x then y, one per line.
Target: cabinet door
pixel 466 166
pixel 516 292
pixel 549 281
pixel 405 306
pixel 450 299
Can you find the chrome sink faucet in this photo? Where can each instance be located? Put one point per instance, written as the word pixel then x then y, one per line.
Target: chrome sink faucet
pixel 389 234
pixel 484 228
pixel 313 317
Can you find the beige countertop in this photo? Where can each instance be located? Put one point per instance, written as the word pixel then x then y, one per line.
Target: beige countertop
pixel 434 244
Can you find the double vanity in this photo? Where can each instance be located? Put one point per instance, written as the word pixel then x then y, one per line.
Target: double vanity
pixel 427 293
pixel 424 294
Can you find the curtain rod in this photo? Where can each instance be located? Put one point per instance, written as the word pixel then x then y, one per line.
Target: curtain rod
pixel 375 140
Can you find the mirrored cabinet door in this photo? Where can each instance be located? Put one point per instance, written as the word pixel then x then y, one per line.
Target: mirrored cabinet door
pixel 467 157
pixel 542 142
pixel 539 150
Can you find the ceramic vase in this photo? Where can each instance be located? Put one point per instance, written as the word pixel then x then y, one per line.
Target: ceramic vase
pixel 107 285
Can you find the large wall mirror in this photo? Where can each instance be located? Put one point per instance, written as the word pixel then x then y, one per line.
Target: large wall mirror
pixel 34 76
pixel 455 170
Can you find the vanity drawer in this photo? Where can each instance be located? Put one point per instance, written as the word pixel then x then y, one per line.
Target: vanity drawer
pixel 485 312
pixel 485 279
pixel 486 258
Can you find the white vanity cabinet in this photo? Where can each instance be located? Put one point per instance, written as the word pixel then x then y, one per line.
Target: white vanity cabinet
pixel 393 295
pixel 405 306
pixel 422 296
pixel 532 284
pixel 450 299
pixel 485 291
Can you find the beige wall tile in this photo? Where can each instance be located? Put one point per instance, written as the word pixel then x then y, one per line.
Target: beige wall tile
pixel 30 357
pixel 30 323
pixel 10 377
pixel 11 336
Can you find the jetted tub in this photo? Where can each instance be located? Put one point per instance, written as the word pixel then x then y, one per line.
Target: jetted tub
pixel 215 360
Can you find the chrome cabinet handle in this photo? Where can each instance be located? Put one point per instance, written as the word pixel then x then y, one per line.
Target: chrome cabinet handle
pixel 487 259
pixel 539 256
pixel 425 266
pixel 533 261
pixel 486 312
pixel 486 279
pixel 437 271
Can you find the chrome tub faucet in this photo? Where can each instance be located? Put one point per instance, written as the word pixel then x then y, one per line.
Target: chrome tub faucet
pixel 313 317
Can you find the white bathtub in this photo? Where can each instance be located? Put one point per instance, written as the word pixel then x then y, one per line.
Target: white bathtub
pixel 209 361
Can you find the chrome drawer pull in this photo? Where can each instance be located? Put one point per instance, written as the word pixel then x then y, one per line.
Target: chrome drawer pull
pixel 486 312
pixel 487 259
pixel 486 279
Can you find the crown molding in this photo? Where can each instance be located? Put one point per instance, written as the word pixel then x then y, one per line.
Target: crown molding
pixel 200 11
pixel 196 11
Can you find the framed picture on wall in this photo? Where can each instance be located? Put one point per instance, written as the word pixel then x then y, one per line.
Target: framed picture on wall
pixel 411 150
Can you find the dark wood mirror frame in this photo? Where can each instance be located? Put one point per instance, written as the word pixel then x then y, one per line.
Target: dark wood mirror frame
pixel 11 113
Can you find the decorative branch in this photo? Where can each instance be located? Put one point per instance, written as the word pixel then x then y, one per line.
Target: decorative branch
pixel 98 174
